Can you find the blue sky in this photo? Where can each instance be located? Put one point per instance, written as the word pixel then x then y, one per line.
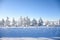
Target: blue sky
pixel 47 9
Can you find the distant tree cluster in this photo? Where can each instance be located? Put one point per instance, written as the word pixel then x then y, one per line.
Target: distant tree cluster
pixel 21 22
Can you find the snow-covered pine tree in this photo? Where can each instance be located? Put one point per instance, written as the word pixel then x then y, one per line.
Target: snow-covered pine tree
pixel 3 22
pixel 40 22
pixel 24 22
pixel 34 22
pixel 59 22
pixel 7 22
pixel 20 21
pixel 27 21
pixel 13 22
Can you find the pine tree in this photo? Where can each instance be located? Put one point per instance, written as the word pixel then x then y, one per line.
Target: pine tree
pixel 59 22
pixel 20 21
pixel 3 22
pixel 7 23
pixel 40 22
pixel 27 21
pixel 13 22
pixel 34 22
pixel 24 21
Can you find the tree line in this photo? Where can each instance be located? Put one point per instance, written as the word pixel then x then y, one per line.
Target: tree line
pixel 21 22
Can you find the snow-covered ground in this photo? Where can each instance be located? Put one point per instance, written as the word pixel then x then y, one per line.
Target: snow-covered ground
pixel 16 32
pixel 31 27
pixel 26 38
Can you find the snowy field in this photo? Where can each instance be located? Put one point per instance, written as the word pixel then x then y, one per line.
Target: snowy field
pixel 30 33
pixel 26 38
pixel 32 27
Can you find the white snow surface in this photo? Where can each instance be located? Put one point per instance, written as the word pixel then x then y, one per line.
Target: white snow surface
pixel 26 38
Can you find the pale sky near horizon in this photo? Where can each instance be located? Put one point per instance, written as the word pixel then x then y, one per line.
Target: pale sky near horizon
pixel 47 9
